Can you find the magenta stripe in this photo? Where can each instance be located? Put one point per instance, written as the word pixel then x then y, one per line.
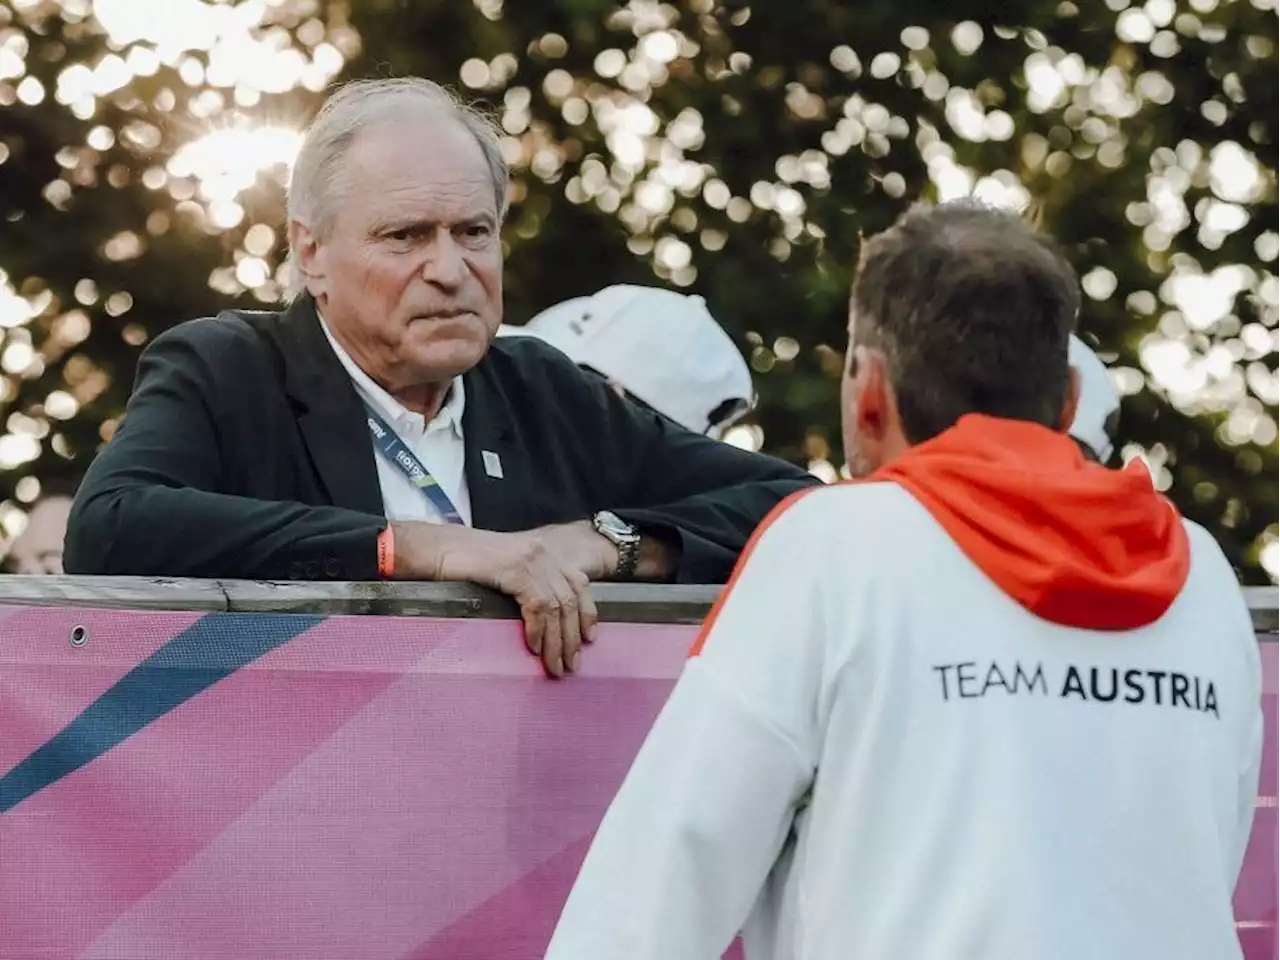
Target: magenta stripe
pixel 520 918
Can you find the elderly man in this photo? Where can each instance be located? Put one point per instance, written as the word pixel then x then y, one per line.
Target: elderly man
pixel 374 429
pixel 997 701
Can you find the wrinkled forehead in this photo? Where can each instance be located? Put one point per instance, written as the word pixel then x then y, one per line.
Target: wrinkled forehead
pixel 417 161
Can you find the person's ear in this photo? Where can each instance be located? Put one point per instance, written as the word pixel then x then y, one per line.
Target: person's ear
pixel 873 400
pixel 308 259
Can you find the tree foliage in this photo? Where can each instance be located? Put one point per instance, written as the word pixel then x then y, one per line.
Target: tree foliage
pixel 736 150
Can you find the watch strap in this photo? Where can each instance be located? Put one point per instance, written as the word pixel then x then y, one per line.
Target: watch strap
pixel 626 540
pixel 628 557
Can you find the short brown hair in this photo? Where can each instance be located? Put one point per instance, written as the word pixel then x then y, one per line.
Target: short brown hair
pixel 973 309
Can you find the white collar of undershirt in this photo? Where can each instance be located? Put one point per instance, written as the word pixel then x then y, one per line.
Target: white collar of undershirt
pixel 393 410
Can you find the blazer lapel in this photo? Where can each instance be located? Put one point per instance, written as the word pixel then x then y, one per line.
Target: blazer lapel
pixel 331 417
pixel 497 465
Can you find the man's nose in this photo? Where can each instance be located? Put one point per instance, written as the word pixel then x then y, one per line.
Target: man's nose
pixel 446 263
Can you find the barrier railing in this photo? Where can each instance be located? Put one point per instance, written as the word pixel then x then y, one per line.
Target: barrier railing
pixel 307 770
pixel 629 602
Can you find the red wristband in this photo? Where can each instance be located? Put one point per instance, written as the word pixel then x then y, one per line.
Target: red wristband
pixel 386 553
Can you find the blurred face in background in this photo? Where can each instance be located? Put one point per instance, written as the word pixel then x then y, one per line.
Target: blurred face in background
pixel 408 273
pixel 38 549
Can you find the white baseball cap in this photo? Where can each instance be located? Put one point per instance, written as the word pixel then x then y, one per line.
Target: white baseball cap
pixel 662 347
pixel 1099 402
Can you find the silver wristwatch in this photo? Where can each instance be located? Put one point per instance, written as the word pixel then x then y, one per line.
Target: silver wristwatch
pixel 622 535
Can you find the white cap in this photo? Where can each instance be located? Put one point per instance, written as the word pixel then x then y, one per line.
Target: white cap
pixel 663 347
pixel 1098 400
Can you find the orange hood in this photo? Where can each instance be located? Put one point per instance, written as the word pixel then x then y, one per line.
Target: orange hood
pixel 1073 542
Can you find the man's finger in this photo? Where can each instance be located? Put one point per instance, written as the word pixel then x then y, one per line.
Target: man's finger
pixel 548 611
pixel 588 616
pixel 533 625
pixel 570 624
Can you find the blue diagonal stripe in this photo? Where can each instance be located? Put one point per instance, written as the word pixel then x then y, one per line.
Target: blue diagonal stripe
pixel 213 647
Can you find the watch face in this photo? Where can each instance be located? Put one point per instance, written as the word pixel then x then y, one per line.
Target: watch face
pixel 614 525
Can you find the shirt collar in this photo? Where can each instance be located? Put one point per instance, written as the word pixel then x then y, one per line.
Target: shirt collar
pixel 393 410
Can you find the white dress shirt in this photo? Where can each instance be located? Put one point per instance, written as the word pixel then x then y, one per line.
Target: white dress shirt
pixel 437 443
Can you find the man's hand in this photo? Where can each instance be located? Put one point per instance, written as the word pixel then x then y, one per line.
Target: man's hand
pixel 552 591
pixel 579 546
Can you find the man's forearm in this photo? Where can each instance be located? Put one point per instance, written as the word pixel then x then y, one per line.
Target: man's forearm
pixel 214 535
pixel 434 551
pixel 439 551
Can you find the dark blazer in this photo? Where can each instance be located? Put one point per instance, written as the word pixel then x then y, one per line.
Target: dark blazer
pixel 244 453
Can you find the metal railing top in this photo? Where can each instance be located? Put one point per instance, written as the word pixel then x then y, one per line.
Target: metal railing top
pixel 634 602
pixel 626 602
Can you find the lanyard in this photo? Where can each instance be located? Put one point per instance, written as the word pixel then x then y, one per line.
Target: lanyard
pixel 399 455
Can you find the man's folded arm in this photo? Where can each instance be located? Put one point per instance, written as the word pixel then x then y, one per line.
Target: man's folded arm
pixel 149 504
pixel 704 495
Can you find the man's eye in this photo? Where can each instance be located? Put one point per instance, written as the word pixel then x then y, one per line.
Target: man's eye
pixel 477 230
pixel 400 236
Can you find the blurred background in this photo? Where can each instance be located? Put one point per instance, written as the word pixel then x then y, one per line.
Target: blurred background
pixel 737 150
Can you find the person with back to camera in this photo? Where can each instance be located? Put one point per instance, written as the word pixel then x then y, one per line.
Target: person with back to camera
pixel 992 700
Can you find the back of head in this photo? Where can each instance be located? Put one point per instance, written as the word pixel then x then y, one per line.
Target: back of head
pixel 663 347
pixel 973 309
pixel 968 310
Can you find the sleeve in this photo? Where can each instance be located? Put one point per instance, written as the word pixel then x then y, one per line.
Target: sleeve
pixel 164 468
pixel 706 495
pixel 690 839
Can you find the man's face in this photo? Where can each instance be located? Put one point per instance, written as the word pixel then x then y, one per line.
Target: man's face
pixel 38 549
pixel 409 275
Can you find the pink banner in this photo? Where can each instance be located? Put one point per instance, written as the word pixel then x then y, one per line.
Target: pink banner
pixel 284 786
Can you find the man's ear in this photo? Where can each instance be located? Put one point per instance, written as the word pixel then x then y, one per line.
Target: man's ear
pixel 873 399
pixel 1072 402
pixel 307 262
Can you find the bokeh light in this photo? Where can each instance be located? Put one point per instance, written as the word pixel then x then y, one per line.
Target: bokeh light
pixel 213 96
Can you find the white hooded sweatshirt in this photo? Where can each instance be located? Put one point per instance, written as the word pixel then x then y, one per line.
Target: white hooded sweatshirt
pixel 1001 705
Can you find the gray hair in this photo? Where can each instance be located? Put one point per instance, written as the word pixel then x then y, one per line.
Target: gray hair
pixel 355 106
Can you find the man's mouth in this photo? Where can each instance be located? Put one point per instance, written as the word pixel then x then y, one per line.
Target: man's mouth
pixel 445 315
